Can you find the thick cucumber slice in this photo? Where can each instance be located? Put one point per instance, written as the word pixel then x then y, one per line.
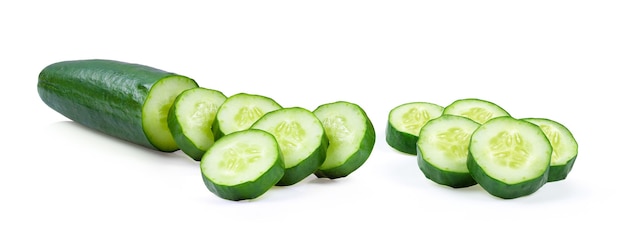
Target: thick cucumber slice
pixel 405 122
pixel 240 111
pixel 476 109
pixel 301 139
pixel 242 165
pixel 442 150
pixel 124 100
pixel 191 117
pixel 509 158
pixel 156 110
pixel 564 147
pixel 351 138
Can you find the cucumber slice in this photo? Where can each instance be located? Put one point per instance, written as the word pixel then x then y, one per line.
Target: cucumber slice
pixel 351 138
pixel 191 117
pixel 240 111
pixel 476 109
pixel 124 100
pixel 509 158
pixel 442 150
pixel 564 147
pixel 301 139
pixel 405 122
pixel 242 165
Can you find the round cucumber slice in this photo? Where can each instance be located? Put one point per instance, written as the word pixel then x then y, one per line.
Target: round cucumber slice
pixel 301 139
pixel 351 138
pixel 509 158
pixel 405 122
pixel 242 165
pixel 240 111
pixel 157 106
pixel 476 109
pixel 442 150
pixel 564 147
pixel 191 117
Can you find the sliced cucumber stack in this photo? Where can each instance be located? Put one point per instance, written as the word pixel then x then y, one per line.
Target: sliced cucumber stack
pixel 564 147
pixel 240 111
pixel 242 165
pixel 405 122
pixel 476 109
pixel 509 157
pixel 301 139
pixel 191 117
pixel 442 150
pixel 351 138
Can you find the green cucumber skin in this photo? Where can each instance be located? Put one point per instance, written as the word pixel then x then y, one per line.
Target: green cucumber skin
pixel 443 177
pixel 557 173
pixel 248 190
pixel 104 95
pixel 503 190
pixel 401 141
pixel 357 159
pixel 307 167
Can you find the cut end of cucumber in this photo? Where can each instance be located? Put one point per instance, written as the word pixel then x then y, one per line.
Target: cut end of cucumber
pixel 156 109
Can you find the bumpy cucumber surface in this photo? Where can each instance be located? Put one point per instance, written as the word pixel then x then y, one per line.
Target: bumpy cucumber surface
pixel 301 139
pixel 509 157
pixel 242 165
pixel 442 150
pixel 476 109
pixel 240 111
pixel 405 122
pixel 351 138
pixel 564 147
pixel 191 117
pixel 124 100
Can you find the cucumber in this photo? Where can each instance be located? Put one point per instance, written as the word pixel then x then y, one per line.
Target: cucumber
pixel 509 157
pixel 442 150
pixel 124 100
pixel 351 138
pixel 476 109
pixel 405 122
pixel 301 139
pixel 242 165
pixel 564 147
pixel 191 117
pixel 240 111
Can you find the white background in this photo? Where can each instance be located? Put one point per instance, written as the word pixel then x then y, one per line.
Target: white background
pixel 562 60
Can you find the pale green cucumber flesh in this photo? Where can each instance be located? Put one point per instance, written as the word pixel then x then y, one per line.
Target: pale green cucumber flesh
pixel 351 138
pixel 240 111
pixel 301 139
pixel 242 165
pixel 509 158
pixel 442 150
pixel 191 118
pixel 404 123
pixel 564 147
pixel 476 109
